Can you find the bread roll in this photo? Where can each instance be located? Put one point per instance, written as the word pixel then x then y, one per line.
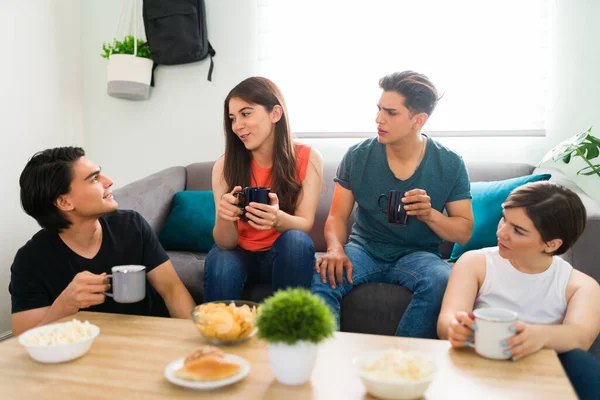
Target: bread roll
pixel 208 368
pixel 203 351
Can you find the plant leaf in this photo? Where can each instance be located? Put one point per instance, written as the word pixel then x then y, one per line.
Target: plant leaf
pixel 567 158
pixel 587 171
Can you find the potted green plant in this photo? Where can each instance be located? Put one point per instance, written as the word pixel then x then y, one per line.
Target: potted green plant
pixel 582 145
pixel 129 68
pixel 294 322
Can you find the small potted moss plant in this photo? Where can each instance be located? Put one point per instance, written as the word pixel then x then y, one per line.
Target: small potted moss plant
pixel 129 68
pixel 294 322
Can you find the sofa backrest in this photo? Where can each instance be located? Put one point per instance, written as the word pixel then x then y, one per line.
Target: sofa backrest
pixel 199 178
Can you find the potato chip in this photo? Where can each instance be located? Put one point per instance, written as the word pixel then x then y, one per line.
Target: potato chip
pixel 225 322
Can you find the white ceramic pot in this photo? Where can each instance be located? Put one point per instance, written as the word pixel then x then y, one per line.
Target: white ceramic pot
pixel 292 364
pixel 128 77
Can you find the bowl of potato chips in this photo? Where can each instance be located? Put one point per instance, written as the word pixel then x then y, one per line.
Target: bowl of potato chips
pixel 226 322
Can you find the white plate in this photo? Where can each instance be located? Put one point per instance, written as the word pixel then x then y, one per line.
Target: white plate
pixel 175 365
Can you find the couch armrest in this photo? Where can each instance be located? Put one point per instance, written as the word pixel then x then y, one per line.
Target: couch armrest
pixel 584 255
pixel 152 195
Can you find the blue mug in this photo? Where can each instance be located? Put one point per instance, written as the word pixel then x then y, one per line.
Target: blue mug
pixel 251 194
pixel 396 214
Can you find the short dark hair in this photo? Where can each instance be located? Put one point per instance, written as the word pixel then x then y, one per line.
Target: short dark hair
pixel 46 177
pixel 420 94
pixel 556 212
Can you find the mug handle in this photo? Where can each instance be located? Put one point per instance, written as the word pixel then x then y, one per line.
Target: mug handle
pixel 379 202
pixel 106 293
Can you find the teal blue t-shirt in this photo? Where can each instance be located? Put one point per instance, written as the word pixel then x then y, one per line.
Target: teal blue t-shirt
pixel 365 171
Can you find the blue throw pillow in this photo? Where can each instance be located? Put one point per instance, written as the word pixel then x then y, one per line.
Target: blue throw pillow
pixel 190 223
pixel 487 210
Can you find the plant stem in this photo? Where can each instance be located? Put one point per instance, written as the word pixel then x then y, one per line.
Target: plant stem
pixel 588 162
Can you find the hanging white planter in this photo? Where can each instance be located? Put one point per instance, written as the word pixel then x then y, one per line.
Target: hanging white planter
pixel 128 77
pixel 292 364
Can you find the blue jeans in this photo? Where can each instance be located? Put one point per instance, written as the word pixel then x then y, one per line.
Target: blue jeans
pixel 583 371
pixel 424 273
pixel 289 263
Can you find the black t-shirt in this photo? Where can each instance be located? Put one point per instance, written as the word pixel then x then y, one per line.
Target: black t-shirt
pixel 45 266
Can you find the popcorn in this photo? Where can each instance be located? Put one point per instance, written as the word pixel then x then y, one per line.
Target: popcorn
pixel 65 333
pixel 398 365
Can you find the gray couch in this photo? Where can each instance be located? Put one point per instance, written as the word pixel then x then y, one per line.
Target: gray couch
pixel 370 308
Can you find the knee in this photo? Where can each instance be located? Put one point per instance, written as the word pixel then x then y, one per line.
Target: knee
pixel 221 264
pixel 437 279
pixel 294 239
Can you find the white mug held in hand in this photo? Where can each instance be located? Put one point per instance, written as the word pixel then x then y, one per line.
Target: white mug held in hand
pixel 128 283
pixel 493 327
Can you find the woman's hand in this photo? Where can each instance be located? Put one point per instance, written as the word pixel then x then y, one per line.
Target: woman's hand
pixel 227 208
pixel 529 339
pixel 462 329
pixel 263 216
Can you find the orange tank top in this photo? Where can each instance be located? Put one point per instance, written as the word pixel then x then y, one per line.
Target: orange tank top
pixel 253 239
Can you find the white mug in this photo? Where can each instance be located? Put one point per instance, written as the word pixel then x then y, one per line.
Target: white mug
pixel 128 283
pixel 493 327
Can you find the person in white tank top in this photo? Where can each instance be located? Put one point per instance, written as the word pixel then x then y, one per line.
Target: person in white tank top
pixel 557 305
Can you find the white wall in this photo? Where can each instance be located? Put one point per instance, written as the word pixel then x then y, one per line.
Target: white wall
pixel 40 106
pixel 181 123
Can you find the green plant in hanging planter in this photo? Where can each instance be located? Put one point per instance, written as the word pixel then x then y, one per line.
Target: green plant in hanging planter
pixel 294 315
pixel 582 145
pixel 126 47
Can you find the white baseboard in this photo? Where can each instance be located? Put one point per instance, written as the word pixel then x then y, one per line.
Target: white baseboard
pixel 5 335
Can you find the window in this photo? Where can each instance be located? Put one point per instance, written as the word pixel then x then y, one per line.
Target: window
pixel 487 58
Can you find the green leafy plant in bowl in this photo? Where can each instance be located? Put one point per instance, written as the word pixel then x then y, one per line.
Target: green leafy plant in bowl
pixel 126 46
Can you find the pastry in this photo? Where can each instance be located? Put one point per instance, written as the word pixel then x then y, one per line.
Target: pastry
pixel 208 368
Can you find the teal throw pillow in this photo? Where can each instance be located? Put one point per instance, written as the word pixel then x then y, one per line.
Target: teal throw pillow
pixel 487 210
pixel 190 223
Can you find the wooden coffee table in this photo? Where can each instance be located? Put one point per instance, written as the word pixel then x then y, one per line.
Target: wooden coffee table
pixel 128 359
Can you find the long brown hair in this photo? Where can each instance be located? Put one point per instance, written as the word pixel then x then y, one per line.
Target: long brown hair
pixel 238 159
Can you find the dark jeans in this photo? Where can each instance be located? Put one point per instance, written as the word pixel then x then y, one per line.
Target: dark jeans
pixel 584 373
pixel 289 263
pixel 424 273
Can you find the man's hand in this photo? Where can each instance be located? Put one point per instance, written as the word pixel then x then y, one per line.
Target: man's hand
pixel 85 290
pixel 332 265
pixel 263 216
pixel 528 340
pixel 418 203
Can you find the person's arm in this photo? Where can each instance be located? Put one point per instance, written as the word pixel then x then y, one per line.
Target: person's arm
pixel 578 330
pixel 225 231
pixel 85 290
pixel 332 264
pixel 455 321
pixel 457 227
pixel 176 296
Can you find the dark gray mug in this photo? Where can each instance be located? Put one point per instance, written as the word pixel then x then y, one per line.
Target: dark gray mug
pixel 251 194
pixel 128 283
pixel 396 214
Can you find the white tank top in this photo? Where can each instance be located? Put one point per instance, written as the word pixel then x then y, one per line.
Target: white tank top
pixel 537 298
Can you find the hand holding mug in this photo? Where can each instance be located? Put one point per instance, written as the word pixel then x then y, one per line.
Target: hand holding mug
pixel 418 203
pixel 528 340
pixel 85 290
pixel 263 216
pixel 227 208
pixel 461 329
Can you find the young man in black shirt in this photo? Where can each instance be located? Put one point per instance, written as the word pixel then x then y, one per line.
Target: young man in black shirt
pixel 63 268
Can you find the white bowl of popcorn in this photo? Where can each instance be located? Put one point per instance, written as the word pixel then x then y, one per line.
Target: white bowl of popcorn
pixel 60 342
pixel 395 374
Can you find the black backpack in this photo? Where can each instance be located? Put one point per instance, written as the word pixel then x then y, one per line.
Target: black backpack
pixel 176 32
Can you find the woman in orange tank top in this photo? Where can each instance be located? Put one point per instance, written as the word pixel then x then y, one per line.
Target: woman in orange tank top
pixel 264 243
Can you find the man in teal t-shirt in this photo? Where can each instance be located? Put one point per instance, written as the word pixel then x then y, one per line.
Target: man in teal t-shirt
pixel 431 177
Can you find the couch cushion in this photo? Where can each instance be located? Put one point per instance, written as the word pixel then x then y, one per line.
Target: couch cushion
pixel 374 308
pixel 190 269
pixel 190 223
